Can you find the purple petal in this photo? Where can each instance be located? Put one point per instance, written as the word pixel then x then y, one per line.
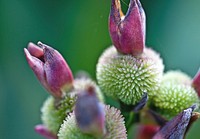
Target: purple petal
pixel 175 129
pixel 127 33
pixel 196 82
pixel 37 66
pixel 142 103
pixel 42 130
pixel 58 74
pixel 35 51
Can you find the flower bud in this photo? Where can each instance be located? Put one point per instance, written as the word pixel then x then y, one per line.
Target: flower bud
pixel 127 78
pixel 176 128
pixel 114 123
pixel 128 32
pixel 50 68
pixel 89 113
pixel 42 130
pixel 196 82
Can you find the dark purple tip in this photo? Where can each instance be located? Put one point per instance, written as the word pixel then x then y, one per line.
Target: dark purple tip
pixel 176 128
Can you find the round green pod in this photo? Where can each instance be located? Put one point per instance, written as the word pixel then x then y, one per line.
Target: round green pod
pixel 176 76
pixel 126 77
pixel 53 112
pixel 173 98
pixel 115 128
pixel 52 115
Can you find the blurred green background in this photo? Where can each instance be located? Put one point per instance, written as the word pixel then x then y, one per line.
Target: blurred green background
pixel 78 29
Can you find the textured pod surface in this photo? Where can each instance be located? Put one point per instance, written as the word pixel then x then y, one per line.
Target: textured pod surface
pixel 53 117
pixel 126 77
pixel 177 76
pixel 114 125
pixel 172 98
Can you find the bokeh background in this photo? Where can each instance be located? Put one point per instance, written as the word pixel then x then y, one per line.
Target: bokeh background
pixel 78 29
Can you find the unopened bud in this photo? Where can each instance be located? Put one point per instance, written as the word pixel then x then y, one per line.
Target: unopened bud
pixel 128 32
pixel 176 128
pixel 89 113
pixel 50 68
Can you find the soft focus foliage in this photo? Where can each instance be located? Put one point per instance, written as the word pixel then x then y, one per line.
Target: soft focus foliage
pixel 79 30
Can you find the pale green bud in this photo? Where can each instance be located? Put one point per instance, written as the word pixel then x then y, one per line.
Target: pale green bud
pixel 173 98
pixel 114 122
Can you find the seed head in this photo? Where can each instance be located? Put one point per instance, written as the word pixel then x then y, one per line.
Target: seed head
pixel 128 78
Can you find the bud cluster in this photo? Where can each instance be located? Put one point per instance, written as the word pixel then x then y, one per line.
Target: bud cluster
pixel 162 104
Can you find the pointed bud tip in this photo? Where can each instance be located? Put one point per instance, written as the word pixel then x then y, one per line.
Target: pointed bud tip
pixel 26 51
pixel 40 44
pixel 34 50
pixel 43 46
pixel 176 127
pixel 29 58
pixel 127 33
pixel 140 105
pixel 196 82
pixel 42 130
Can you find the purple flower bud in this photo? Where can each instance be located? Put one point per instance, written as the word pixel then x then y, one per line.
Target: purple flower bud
pixel 42 130
pixel 50 68
pixel 176 128
pixel 196 82
pixel 89 113
pixel 128 32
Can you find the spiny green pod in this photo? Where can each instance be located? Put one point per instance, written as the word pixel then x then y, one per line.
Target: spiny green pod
pixel 53 116
pixel 177 76
pixel 53 112
pixel 173 98
pixel 114 125
pixel 127 78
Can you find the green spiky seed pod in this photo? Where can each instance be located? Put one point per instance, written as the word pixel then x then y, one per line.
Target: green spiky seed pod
pixel 126 77
pixel 176 76
pixel 114 125
pixel 172 98
pixel 53 115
